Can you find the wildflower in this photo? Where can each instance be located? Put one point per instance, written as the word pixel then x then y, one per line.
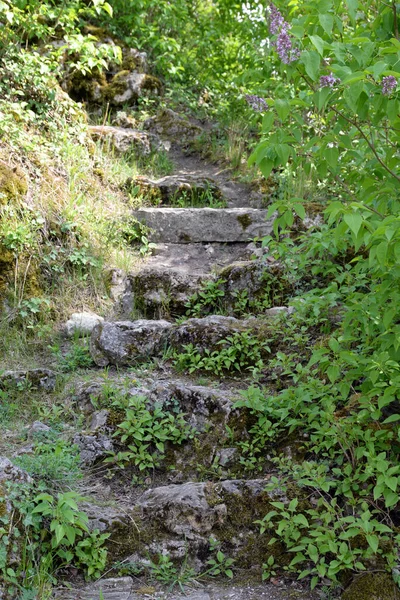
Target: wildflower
pixel 328 81
pixel 258 104
pixel 283 44
pixel 389 84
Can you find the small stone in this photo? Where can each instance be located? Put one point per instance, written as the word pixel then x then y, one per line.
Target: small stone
pixel 82 324
pixel 38 427
pixel 99 419
pixel 92 447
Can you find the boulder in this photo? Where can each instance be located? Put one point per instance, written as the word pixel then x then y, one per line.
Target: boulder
pixel 124 140
pixel 189 225
pixel 172 126
pixel 173 189
pixel 128 342
pixel 82 324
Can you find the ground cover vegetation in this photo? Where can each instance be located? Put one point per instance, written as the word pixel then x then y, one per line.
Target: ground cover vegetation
pixel 312 89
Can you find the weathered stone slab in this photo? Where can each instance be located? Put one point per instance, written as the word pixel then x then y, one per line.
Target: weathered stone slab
pixel 188 225
pixel 172 126
pixel 129 342
pixel 81 324
pixel 157 293
pixel 193 190
pixel 122 139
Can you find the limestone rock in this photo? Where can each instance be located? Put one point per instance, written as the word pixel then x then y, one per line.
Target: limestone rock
pixel 129 342
pixel 172 126
pixel 126 342
pixel 124 140
pixel 208 332
pixel 158 293
pixel 82 324
pixel 227 510
pixel 182 509
pixel 125 120
pixel 188 225
pixel 92 447
pixel 118 588
pixel 38 428
pixel 44 379
pixel 172 188
pixel 126 87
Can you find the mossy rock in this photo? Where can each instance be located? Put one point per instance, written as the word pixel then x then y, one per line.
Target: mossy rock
pixel 13 185
pixel 372 586
pixel 86 87
pixel 126 87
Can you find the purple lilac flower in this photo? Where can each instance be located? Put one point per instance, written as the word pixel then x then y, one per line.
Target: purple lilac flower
pixel 258 104
pixel 277 22
pixel 283 44
pixel 389 84
pixel 328 81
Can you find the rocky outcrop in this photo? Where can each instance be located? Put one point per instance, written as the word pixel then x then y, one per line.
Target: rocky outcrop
pixel 190 225
pixel 92 447
pixel 127 140
pixel 127 87
pixel 172 126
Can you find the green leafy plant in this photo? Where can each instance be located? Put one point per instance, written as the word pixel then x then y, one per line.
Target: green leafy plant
pixel 239 351
pixel 144 432
pixel 209 299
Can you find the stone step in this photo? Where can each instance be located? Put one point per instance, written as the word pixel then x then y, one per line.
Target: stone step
pixel 158 291
pixel 189 225
pixel 126 343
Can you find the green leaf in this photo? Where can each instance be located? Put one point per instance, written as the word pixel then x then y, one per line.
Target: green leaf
pixel 352 94
pixel 354 221
pixel 332 156
pixel 318 43
pixel 373 542
pixel 267 122
pixel 266 166
pixel 326 21
pixel 311 61
pixel 282 108
pixel 392 419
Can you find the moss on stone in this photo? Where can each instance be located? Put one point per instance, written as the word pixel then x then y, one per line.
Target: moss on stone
pixel 245 221
pixel 372 586
pixel 117 86
pixel 13 185
pixel 87 87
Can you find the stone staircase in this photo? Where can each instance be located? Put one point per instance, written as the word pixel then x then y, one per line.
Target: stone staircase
pixel 177 514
